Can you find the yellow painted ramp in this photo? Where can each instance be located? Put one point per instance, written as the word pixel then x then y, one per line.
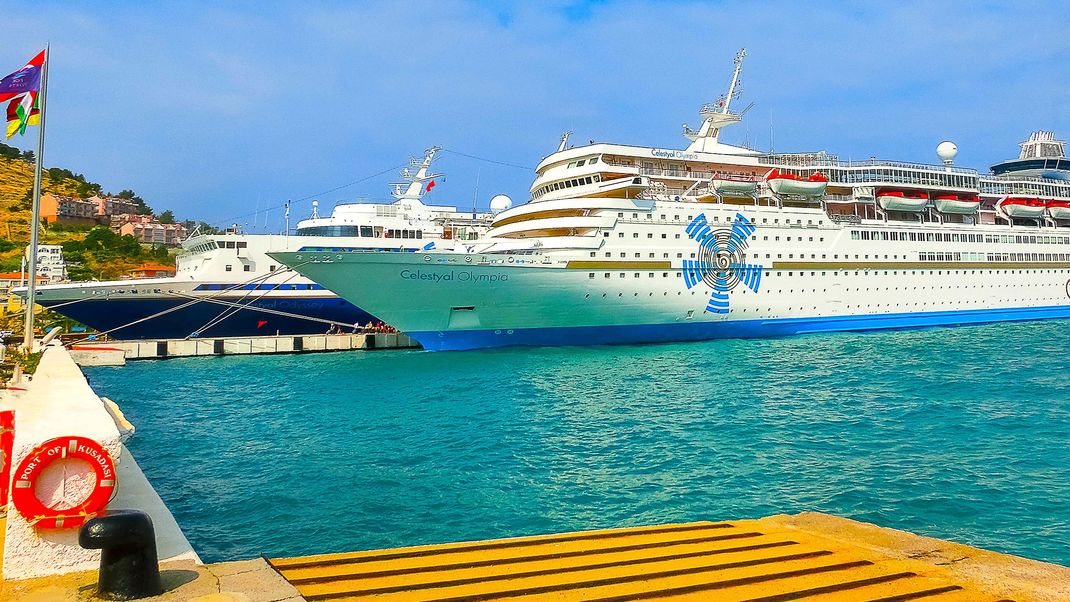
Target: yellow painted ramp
pixel 726 561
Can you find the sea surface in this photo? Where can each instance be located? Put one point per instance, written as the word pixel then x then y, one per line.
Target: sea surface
pixel 960 433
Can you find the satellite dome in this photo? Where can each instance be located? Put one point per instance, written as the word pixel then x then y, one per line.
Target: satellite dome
pixel 947 151
pixel 500 203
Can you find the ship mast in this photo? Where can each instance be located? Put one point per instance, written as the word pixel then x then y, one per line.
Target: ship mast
pixel 413 186
pixel 717 115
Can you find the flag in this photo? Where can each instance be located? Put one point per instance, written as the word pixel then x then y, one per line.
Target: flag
pixel 430 185
pixel 21 112
pixel 27 79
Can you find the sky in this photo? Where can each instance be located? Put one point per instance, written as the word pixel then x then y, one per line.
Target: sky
pixel 222 111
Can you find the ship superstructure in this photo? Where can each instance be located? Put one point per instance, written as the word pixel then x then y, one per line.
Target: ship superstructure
pixel 227 285
pixel 625 243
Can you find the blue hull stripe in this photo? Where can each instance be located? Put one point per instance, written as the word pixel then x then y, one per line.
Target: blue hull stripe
pixel 456 340
pixel 106 314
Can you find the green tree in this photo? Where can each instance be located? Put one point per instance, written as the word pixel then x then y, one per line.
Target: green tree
pixel 142 207
pixel 167 217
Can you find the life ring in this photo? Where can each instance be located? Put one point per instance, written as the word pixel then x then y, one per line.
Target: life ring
pixel 33 510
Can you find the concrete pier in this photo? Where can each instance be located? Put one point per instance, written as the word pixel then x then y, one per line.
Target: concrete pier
pixel 806 556
pixel 116 353
pixel 58 402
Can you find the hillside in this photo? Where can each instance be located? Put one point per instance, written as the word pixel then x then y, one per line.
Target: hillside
pixel 106 256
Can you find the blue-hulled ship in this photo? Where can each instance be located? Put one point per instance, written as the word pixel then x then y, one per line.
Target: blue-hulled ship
pixel 226 285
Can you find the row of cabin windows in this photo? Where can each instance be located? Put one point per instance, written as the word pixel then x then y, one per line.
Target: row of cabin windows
pixel 956 237
pixel 716 218
pixel 856 272
pixel 583 162
pixel 567 184
pixel 361 231
pixel 927 256
pixel 230 244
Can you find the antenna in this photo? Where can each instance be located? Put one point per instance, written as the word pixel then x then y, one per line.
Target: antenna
pixel 770 131
pixel 564 140
pixel 735 79
pixel 475 193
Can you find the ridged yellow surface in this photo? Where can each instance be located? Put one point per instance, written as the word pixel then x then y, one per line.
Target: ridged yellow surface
pixel 741 560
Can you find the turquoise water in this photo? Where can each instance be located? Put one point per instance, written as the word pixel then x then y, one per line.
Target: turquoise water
pixel 955 433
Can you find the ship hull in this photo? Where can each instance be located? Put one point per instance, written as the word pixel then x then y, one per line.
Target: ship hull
pixel 122 318
pixel 452 302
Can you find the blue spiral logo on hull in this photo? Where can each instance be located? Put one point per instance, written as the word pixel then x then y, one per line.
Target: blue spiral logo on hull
pixel 722 260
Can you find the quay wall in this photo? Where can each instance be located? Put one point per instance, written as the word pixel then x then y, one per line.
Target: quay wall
pixel 118 352
pixel 59 402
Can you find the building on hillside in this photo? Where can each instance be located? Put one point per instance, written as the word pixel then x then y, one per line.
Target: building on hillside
pixel 153 270
pixel 121 219
pixel 10 280
pixel 154 233
pixel 12 304
pixel 50 263
pixel 69 211
pixel 108 206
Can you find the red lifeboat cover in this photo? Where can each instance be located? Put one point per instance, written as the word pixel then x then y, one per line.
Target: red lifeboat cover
pixel 817 177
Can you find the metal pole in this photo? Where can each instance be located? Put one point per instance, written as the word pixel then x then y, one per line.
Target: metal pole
pixel 27 340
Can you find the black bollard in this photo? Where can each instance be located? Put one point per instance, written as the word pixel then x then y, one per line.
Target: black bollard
pixel 128 565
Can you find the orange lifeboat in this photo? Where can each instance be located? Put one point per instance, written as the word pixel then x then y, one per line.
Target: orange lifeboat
pixel 786 183
pixel 903 200
pixel 1024 207
pixel 957 203
pixel 1058 209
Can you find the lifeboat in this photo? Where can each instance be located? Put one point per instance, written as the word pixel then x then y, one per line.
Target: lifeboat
pixel 786 183
pixel 1058 209
pixel 728 185
pixel 957 203
pixel 903 200
pixel 1024 207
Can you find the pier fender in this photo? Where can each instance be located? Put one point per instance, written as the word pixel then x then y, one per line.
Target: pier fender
pixel 24 496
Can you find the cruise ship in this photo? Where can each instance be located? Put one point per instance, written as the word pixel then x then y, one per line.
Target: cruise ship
pixel 633 244
pixel 226 285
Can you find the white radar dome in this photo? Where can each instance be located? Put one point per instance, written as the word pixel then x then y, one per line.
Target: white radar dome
pixel 500 203
pixel 947 151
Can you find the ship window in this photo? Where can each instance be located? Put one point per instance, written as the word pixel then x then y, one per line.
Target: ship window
pixel 273 268
pixel 635 235
pixel 366 231
pixel 605 235
pixel 593 160
pixel 229 267
pixel 242 245
pixel 620 235
pixel 590 275
pixel 580 163
pixel 419 234
pixel 248 268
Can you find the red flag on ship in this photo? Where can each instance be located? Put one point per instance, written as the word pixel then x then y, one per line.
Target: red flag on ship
pixel 430 185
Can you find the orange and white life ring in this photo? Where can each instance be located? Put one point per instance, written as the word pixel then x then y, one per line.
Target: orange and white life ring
pixel 31 467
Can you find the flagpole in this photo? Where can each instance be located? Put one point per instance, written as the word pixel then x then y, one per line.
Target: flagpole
pixel 35 214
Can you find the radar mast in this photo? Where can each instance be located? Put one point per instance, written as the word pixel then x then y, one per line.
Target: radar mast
pixel 716 115
pixel 412 188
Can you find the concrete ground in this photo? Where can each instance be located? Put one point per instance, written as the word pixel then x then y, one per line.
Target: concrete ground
pixel 184 581
pixel 965 573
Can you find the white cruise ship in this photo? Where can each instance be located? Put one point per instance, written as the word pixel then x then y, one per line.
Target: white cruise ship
pixel 631 244
pixel 226 285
